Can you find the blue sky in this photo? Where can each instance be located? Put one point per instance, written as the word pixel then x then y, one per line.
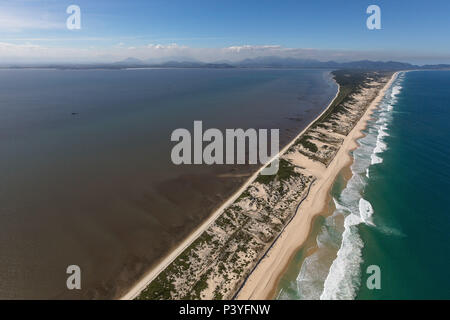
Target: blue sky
pixel 417 31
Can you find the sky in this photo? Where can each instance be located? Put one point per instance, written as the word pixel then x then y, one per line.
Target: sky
pixel 224 30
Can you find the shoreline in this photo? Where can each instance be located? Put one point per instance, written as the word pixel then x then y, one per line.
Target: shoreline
pixel 263 282
pixel 172 255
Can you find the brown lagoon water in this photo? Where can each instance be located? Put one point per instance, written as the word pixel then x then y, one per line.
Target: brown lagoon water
pixel 86 172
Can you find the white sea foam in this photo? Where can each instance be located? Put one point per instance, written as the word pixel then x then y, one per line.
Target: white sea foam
pixel 365 211
pixel 396 90
pixel 380 147
pixel 382 131
pixel 343 279
pixel 375 159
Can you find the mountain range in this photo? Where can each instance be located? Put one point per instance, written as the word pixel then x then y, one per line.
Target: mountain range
pixel 276 62
pixel 259 62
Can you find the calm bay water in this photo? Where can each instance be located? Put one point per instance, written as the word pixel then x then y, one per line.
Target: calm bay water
pixel 394 211
pixel 86 171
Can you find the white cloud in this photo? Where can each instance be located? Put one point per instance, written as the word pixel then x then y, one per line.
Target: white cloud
pixel 172 46
pixel 253 48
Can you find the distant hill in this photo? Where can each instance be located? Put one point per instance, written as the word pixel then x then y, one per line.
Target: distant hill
pixel 378 65
pixel 436 66
pixel 130 61
pixel 190 64
pixel 259 62
pixel 279 62
pixel 136 63
pixel 272 62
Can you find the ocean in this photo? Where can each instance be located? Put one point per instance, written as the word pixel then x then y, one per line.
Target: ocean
pixel 393 212
pixel 87 177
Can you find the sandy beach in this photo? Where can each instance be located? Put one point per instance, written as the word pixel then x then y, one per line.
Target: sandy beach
pixel 263 281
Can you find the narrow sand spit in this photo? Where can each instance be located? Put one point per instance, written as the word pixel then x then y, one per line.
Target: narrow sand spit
pixel 263 278
pixel 262 283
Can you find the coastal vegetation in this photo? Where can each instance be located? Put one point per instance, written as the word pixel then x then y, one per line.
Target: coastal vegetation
pixel 216 264
pixel 357 89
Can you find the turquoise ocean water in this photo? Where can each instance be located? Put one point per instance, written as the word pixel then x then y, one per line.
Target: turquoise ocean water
pixel 394 212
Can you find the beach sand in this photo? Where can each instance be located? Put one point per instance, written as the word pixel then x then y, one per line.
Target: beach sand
pixel 263 281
